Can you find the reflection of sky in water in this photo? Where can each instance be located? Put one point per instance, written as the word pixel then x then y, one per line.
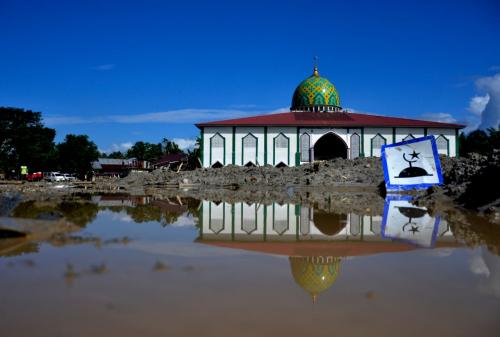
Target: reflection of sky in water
pixel 218 291
pixel 107 224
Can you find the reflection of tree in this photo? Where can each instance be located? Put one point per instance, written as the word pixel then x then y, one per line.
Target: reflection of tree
pixel 144 213
pixel 165 212
pixel 170 218
pixel 32 210
pixel 476 231
pixel 114 209
pixel 79 213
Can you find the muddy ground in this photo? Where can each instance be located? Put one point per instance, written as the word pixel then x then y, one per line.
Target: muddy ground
pixel 470 182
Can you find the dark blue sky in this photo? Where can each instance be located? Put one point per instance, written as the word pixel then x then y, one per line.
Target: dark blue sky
pixel 120 70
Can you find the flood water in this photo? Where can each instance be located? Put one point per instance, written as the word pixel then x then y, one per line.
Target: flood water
pixel 139 266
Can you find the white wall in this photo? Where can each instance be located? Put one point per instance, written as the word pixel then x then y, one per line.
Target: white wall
pixel 217 218
pixel 209 132
pixel 315 134
pixel 372 132
pixel 448 133
pixel 401 133
pixel 248 219
pixel 242 132
pixel 291 133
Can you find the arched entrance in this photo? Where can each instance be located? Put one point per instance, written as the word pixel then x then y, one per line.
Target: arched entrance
pixel 329 223
pixel 330 146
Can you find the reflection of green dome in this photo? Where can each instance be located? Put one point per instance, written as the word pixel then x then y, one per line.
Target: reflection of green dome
pixel 314 274
pixel 315 93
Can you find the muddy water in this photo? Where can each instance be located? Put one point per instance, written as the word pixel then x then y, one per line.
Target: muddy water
pixel 138 266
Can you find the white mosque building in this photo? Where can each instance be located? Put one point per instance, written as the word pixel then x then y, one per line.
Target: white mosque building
pixel 316 128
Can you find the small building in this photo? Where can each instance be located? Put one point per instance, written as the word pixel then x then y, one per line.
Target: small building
pixel 119 167
pixel 315 128
pixel 173 161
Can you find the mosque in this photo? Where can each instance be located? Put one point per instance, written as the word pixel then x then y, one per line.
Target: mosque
pixel 316 128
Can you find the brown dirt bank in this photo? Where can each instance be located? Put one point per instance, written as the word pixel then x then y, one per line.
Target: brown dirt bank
pixel 470 182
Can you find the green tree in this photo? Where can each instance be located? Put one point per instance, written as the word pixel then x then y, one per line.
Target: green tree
pixel 479 141
pixel 116 155
pixel 494 136
pixel 145 151
pixel 194 155
pixel 170 147
pixel 76 154
pixel 24 140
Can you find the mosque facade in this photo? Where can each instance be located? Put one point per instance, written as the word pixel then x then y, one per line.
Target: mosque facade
pixel 315 128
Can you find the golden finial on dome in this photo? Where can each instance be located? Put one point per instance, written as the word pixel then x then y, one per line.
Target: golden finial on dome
pixel 315 72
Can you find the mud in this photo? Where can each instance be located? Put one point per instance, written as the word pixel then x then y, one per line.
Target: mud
pixel 469 182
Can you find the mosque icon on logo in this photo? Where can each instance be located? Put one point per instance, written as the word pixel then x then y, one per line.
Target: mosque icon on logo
pixel 413 171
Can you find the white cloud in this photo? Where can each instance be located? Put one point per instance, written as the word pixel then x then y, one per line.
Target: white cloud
pixel 362 112
pixel 478 103
pixel 185 143
pixel 122 146
pixel 279 110
pixel 103 67
pixel 179 116
pixel 187 116
pixel 490 116
pixel 477 265
pixel 442 117
pixel 51 120
pixel 184 221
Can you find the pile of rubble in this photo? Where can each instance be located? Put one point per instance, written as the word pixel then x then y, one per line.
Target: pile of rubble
pixel 360 171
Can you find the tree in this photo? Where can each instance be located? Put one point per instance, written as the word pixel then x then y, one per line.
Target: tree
pixel 194 155
pixel 145 151
pixel 479 141
pixel 170 147
pixel 24 140
pixel 76 154
pixel 116 155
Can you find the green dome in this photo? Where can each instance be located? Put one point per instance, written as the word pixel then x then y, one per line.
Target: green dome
pixel 314 274
pixel 315 93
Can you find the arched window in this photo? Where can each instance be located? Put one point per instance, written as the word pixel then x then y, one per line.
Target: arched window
pixel 443 145
pixel 280 218
pixel 249 141
pixel 281 142
pixel 249 153
pixel 217 149
pixel 377 142
pixel 305 221
pixel 355 141
pixel 248 218
pixel 281 150
pixel 355 224
pixel 217 141
pixel 217 216
pixel 409 137
pixel 305 145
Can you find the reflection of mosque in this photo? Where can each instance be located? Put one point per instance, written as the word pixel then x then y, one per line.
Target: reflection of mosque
pixel 314 240
pixel 290 222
